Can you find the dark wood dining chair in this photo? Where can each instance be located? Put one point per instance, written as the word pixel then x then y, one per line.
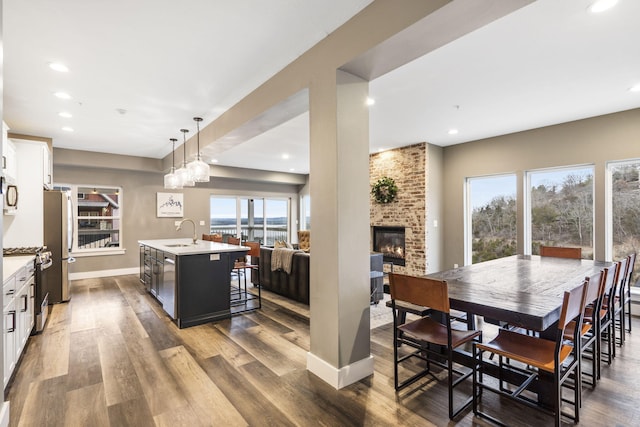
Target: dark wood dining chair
pixel 216 238
pixel 561 252
pixel 535 356
pixel 428 339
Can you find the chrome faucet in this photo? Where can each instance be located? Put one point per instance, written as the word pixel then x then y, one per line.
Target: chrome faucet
pixel 195 236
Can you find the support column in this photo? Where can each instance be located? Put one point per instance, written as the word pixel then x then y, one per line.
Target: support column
pixel 339 183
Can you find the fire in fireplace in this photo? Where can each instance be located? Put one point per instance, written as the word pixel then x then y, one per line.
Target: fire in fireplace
pixel 391 243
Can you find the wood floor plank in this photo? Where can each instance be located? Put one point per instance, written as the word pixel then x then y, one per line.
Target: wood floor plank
pixel 277 353
pixel 130 413
pixel 86 407
pixel 118 374
pixel 84 360
pixel 45 404
pixel 56 341
pixel 206 399
pixel 256 411
pixel 160 389
pixel 183 416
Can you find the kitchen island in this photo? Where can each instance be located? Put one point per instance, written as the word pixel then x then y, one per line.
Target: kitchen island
pixel 191 280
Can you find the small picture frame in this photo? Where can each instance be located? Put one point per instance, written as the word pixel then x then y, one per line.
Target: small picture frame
pixel 170 205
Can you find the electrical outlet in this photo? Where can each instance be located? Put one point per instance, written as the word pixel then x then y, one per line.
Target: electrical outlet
pixel 201 222
pixel 455 265
pixel 176 223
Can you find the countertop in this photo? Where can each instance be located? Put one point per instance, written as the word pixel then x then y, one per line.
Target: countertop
pixel 200 247
pixel 11 264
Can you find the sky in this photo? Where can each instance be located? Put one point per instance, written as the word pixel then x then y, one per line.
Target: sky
pixel 225 207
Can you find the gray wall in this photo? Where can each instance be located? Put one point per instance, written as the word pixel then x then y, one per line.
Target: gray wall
pixel 591 141
pixel 139 188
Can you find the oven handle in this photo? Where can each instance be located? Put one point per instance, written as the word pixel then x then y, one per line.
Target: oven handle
pixel 46 264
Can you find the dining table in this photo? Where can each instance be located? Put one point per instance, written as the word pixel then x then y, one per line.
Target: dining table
pixel 521 290
pixel 524 291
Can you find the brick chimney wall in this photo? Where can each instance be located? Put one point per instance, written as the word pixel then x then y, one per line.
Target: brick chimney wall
pixel 407 166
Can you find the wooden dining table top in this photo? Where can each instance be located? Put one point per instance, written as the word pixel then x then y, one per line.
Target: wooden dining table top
pixel 522 290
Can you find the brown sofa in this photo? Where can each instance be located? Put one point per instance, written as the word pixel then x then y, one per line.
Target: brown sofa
pixel 294 285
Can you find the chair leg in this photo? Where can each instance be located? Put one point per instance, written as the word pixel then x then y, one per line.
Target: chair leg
pixel 629 312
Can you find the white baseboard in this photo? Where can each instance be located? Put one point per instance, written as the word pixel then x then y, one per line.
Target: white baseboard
pixel 103 273
pixel 339 378
pixel 4 414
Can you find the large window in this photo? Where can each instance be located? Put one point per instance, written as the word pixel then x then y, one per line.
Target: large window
pixel 625 210
pixel 96 224
pixel 254 219
pixel 492 207
pixel 561 208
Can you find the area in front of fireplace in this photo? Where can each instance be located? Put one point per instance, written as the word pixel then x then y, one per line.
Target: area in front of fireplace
pixel 390 241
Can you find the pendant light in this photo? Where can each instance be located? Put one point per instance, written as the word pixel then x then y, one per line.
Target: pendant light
pixel 172 180
pixel 199 169
pixel 184 173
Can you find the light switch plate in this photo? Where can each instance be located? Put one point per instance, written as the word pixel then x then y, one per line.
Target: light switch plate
pixel 201 222
pixel 176 223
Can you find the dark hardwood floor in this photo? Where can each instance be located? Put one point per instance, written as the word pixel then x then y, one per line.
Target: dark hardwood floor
pixel 111 357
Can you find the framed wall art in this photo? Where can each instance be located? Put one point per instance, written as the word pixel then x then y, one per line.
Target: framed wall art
pixel 170 205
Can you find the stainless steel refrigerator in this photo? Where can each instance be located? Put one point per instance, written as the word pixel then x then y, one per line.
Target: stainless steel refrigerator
pixel 58 238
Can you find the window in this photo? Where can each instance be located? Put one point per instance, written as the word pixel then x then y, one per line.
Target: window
pixel 561 209
pixel 492 215
pixel 254 219
pixel 305 213
pixel 625 210
pixel 97 227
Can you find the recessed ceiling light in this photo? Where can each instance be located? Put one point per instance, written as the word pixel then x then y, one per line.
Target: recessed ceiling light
pixel 214 160
pixel 370 101
pixel 635 88
pixel 285 156
pixel 65 114
pixel 380 150
pixel 62 95
pixel 292 170
pixel 453 131
pixel 58 67
pixel 67 129
pixel 602 5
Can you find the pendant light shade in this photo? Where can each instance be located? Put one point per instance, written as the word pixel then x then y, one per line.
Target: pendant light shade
pixel 184 174
pixel 172 180
pixel 199 169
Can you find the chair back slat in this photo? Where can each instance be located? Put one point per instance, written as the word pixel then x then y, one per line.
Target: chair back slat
pixel 573 304
pixel 255 249
pixel 593 288
pixel 420 291
pixel 631 262
pixel 233 240
pixel 561 252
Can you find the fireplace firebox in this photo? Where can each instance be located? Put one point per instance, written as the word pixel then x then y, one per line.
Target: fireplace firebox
pixel 390 241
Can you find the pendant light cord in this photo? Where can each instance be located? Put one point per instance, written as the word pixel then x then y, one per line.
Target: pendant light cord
pixel 198 120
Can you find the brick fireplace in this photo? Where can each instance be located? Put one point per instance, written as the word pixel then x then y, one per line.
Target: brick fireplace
pixel 407 166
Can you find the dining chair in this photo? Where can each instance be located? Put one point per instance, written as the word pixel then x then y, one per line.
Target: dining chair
pixel 239 266
pixel 561 252
pixel 602 319
pixel 617 302
pixel 536 357
pixel 587 344
pixel 626 298
pixel 216 238
pixel 429 340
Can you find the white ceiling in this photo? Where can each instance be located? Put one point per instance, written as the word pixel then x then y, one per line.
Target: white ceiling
pixel 165 62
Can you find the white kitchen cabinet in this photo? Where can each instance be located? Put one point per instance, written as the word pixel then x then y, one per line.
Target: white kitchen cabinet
pixel 9 328
pixel 18 312
pixel 9 160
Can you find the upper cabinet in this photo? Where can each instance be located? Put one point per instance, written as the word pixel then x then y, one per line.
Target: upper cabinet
pixel 9 160
pixel 47 168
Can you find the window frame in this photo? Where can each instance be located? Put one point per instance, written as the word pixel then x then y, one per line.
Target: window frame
pixel 76 217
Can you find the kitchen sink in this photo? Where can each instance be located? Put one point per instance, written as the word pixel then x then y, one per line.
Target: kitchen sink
pixel 180 245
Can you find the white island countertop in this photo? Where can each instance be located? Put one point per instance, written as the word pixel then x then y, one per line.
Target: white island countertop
pixel 187 247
